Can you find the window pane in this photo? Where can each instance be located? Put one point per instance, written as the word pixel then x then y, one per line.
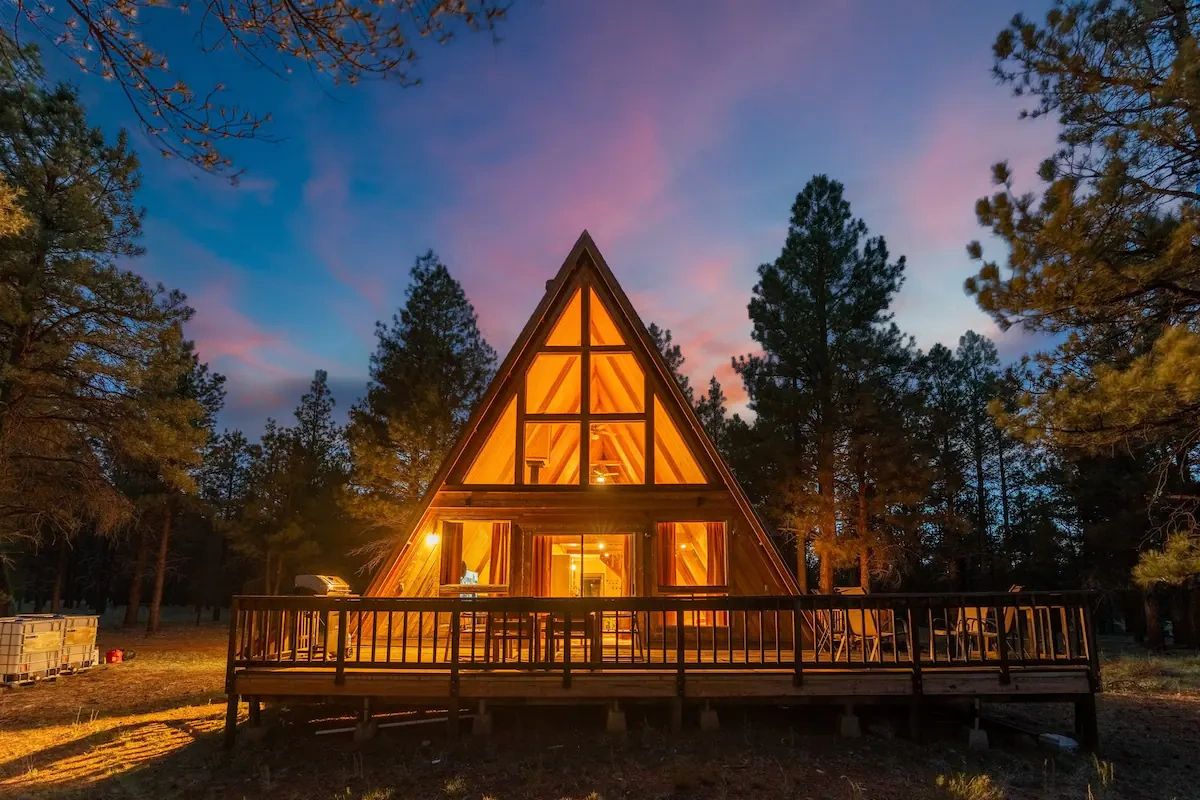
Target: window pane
pixel 568 331
pixel 618 385
pixel 617 452
pixel 582 566
pixel 673 459
pixel 692 553
pixel 552 385
pixel 476 552
pixel 494 462
pixel 603 329
pixel 552 453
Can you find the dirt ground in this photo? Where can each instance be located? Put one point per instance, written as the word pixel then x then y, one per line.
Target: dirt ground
pixel 150 728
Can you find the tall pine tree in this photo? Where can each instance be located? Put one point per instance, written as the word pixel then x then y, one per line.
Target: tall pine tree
pixel 813 310
pixel 430 367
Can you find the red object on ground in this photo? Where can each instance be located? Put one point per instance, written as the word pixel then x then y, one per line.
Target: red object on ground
pixel 114 656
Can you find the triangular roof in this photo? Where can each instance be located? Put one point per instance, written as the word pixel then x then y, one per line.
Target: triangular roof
pixel 584 266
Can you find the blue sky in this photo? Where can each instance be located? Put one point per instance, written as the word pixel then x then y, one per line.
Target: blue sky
pixel 678 134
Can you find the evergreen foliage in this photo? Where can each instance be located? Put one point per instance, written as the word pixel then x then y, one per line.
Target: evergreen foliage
pixel 430 367
pixel 1107 257
pixel 814 309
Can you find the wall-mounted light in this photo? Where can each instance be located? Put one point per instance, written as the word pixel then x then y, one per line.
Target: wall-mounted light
pixel 431 539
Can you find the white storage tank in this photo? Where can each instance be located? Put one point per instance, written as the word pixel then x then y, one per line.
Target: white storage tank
pixel 79 642
pixel 31 647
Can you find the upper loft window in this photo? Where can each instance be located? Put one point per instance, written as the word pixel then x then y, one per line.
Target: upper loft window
pixel 583 414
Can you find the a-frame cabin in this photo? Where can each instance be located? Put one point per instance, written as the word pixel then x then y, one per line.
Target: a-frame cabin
pixel 584 472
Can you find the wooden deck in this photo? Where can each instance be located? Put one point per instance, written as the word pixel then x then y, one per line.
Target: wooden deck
pixel 444 653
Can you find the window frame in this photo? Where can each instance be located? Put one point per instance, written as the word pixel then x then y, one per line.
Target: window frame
pixel 688 589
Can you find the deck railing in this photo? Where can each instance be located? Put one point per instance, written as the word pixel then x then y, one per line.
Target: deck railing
pixel 911 632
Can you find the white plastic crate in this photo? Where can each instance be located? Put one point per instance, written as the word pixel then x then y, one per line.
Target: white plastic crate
pixel 31 647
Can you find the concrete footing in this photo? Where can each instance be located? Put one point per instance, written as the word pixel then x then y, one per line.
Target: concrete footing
pixel 709 721
pixel 366 730
pixel 848 724
pixel 615 721
pixel 481 723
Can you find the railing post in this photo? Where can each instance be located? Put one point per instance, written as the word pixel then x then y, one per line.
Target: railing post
pixel 914 648
pixel 231 699
pixel 232 652
pixel 566 650
pixel 1002 644
pixel 797 645
pixel 339 675
pixel 1089 639
pixel 455 630
pixel 680 658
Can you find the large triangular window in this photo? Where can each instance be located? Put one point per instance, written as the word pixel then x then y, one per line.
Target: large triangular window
pixel 584 413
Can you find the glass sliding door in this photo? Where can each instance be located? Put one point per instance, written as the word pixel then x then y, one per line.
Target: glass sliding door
pixel 583 565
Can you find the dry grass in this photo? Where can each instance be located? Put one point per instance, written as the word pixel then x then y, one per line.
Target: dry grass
pixel 150 729
pixel 1140 673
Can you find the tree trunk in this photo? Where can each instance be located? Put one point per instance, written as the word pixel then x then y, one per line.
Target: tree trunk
pixel 1154 630
pixel 1004 522
pixel 135 582
pixel 160 571
pixel 981 522
pixel 864 546
pixel 7 601
pixel 60 577
pixel 828 509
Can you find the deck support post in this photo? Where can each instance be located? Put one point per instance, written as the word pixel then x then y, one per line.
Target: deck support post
pixel 977 737
pixel 452 724
pixel 615 721
pixel 367 727
pixel 915 719
pixel 481 723
pixel 1087 729
pixel 709 721
pixel 848 725
pixel 676 714
pixel 255 712
pixel 231 709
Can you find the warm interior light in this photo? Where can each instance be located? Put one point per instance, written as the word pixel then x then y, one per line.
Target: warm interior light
pixel 431 539
pixel 601 477
pixel 683 547
pixel 600 545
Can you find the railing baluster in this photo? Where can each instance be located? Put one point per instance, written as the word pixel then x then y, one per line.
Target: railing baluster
pixel 339 676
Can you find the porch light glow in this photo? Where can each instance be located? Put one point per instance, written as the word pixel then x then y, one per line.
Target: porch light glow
pixel 431 539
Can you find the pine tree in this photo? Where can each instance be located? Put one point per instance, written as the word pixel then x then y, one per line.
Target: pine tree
pixel 710 408
pixel 292 519
pixel 673 356
pixel 1107 259
pixel 78 336
pixel 882 477
pixel 980 372
pixel 941 386
pixel 159 451
pixel 429 369
pixel 812 310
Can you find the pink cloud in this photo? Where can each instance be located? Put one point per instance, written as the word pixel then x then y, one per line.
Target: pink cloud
pixel 949 167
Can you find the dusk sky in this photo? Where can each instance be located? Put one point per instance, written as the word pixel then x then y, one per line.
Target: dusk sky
pixel 678 134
